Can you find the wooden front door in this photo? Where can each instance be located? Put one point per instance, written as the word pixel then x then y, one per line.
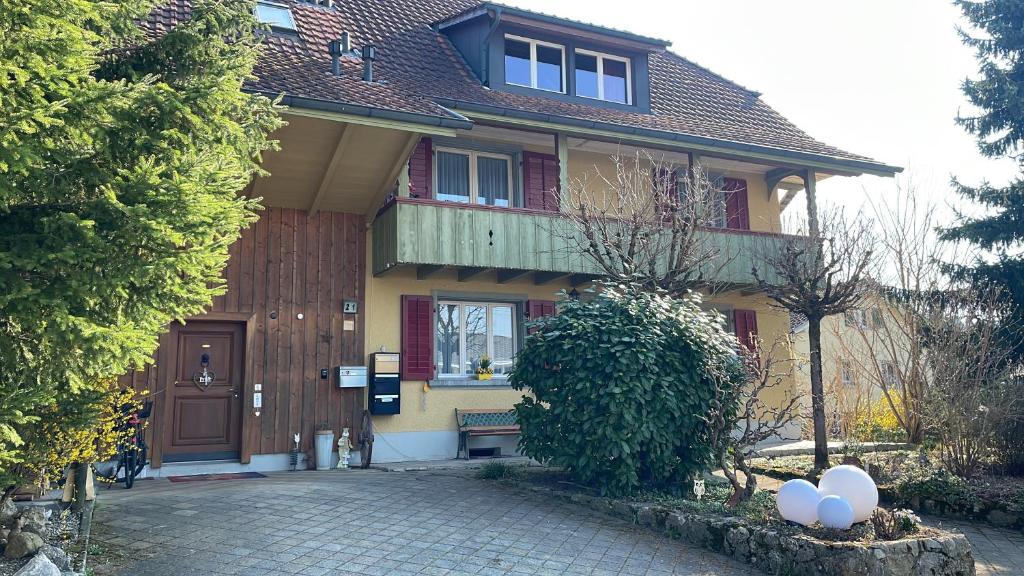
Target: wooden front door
pixel 204 398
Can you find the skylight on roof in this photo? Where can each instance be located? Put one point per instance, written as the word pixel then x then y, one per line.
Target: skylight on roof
pixel 275 15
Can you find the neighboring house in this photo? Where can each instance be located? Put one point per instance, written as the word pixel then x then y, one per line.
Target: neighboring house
pixel 413 213
pixel 856 355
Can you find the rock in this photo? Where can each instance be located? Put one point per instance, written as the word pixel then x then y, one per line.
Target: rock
pixel 1002 518
pixel 8 513
pixel 738 540
pixel 57 555
pixel 39 566
pixel 4 533
pixel 22 544
pixel 853 461
pixel 33 520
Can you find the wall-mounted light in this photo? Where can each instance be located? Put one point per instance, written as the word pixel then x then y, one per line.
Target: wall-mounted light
pixel 299 316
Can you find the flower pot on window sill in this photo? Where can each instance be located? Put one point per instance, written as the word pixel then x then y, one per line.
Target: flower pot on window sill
pixel 484 376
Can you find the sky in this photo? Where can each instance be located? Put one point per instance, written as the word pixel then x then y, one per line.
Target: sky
pixel 880 78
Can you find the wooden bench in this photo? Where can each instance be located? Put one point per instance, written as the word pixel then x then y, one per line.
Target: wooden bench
pixel 483 422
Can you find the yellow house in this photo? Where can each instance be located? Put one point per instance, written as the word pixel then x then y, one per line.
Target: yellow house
pixel 410 211
pixel 862 351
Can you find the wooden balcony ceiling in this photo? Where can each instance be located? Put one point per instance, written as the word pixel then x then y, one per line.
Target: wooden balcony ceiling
pixel 330 165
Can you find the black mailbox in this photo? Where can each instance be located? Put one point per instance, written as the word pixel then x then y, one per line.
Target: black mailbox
pixel 385 383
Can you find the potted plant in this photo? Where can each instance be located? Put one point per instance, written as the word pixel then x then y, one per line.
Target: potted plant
pixel 484 370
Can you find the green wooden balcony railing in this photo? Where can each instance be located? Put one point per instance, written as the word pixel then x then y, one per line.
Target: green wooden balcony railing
pixel 432 234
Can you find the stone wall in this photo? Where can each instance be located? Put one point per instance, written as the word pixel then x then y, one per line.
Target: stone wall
pixel 774 553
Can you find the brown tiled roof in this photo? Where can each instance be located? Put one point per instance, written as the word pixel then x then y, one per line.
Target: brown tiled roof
pixel 418 69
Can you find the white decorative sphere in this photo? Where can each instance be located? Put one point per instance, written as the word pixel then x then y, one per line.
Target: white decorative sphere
pixel 835 512
pixel 853 485
pixel 797 501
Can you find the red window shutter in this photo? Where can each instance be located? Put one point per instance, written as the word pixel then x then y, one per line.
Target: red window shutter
pixel 421 169
pixel 538 309
pixel 746 327
pixel 417 338
pixel 541 187
pixel 737 215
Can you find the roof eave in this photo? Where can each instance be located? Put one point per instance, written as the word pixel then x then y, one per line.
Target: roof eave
pixel 490 7
pixel 830 163
pixel 359 110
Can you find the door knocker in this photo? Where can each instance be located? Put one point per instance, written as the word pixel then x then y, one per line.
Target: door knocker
pixel 203 379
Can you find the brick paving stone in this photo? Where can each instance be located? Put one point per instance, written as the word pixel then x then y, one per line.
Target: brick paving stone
pixel 997 551
pixel 370 522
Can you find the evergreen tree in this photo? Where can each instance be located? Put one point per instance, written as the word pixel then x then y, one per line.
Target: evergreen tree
pixel 122 155
pixel 997 37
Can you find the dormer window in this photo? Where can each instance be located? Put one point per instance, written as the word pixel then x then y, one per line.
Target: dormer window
pixel 277 16
pixel 603 76
pixel 534 64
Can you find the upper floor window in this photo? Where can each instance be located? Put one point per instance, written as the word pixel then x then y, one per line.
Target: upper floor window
pixel 846 372
pixel 534 64
pixel 603 76
pixel 276 15
pixel 868 319
pixel 473 177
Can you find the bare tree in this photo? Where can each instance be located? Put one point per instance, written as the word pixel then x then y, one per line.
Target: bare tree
pixel 735 436
pixel 818 276
pixel 972 393
pixel 647 222
pixel 888 344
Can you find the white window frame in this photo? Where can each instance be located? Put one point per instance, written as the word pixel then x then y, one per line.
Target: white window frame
pixel 601 57
pixel 474 180
pixel 846 373
pixel 533 62
pixel 462 304
pixel 856 318
pixel 729 313
pixel 279 6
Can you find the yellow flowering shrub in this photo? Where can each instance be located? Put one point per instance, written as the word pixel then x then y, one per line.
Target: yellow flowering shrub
pixel 88 428
pixel 876 422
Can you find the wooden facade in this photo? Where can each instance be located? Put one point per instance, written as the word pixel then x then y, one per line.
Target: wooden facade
pixel 285 265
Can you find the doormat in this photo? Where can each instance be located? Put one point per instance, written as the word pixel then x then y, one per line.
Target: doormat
pixel 225 476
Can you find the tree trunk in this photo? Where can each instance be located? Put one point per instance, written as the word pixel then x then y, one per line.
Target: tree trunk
pixel 817 394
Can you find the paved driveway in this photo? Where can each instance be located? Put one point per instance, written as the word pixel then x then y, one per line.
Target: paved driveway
pixel 373 522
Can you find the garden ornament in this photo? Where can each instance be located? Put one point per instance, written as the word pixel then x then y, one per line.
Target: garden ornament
pixel 203 379
pixel 344 449
pixel 797 501
pixel 698 488
pixel 853 485
pixel 835 512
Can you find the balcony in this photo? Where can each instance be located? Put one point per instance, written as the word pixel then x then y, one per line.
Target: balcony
pixel 432 235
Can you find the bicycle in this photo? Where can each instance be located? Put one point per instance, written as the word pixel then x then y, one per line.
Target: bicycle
pixel 132 452
pixel 365 439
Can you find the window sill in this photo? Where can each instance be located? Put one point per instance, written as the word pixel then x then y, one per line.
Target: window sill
pixel 456 382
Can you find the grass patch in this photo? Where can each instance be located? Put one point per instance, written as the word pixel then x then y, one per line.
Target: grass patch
pixel 499 471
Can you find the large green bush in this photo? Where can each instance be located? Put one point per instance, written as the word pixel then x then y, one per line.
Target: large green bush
pixel 623 386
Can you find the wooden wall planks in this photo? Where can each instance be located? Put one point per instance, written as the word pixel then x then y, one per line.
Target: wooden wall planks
pixel 289 263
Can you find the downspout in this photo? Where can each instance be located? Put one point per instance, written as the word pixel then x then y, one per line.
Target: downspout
pixel 485 47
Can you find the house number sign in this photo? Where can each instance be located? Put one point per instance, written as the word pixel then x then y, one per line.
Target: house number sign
pixel 204 378
pixel 350 307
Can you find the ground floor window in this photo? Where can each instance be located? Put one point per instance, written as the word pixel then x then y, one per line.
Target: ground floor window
pixel 466 331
